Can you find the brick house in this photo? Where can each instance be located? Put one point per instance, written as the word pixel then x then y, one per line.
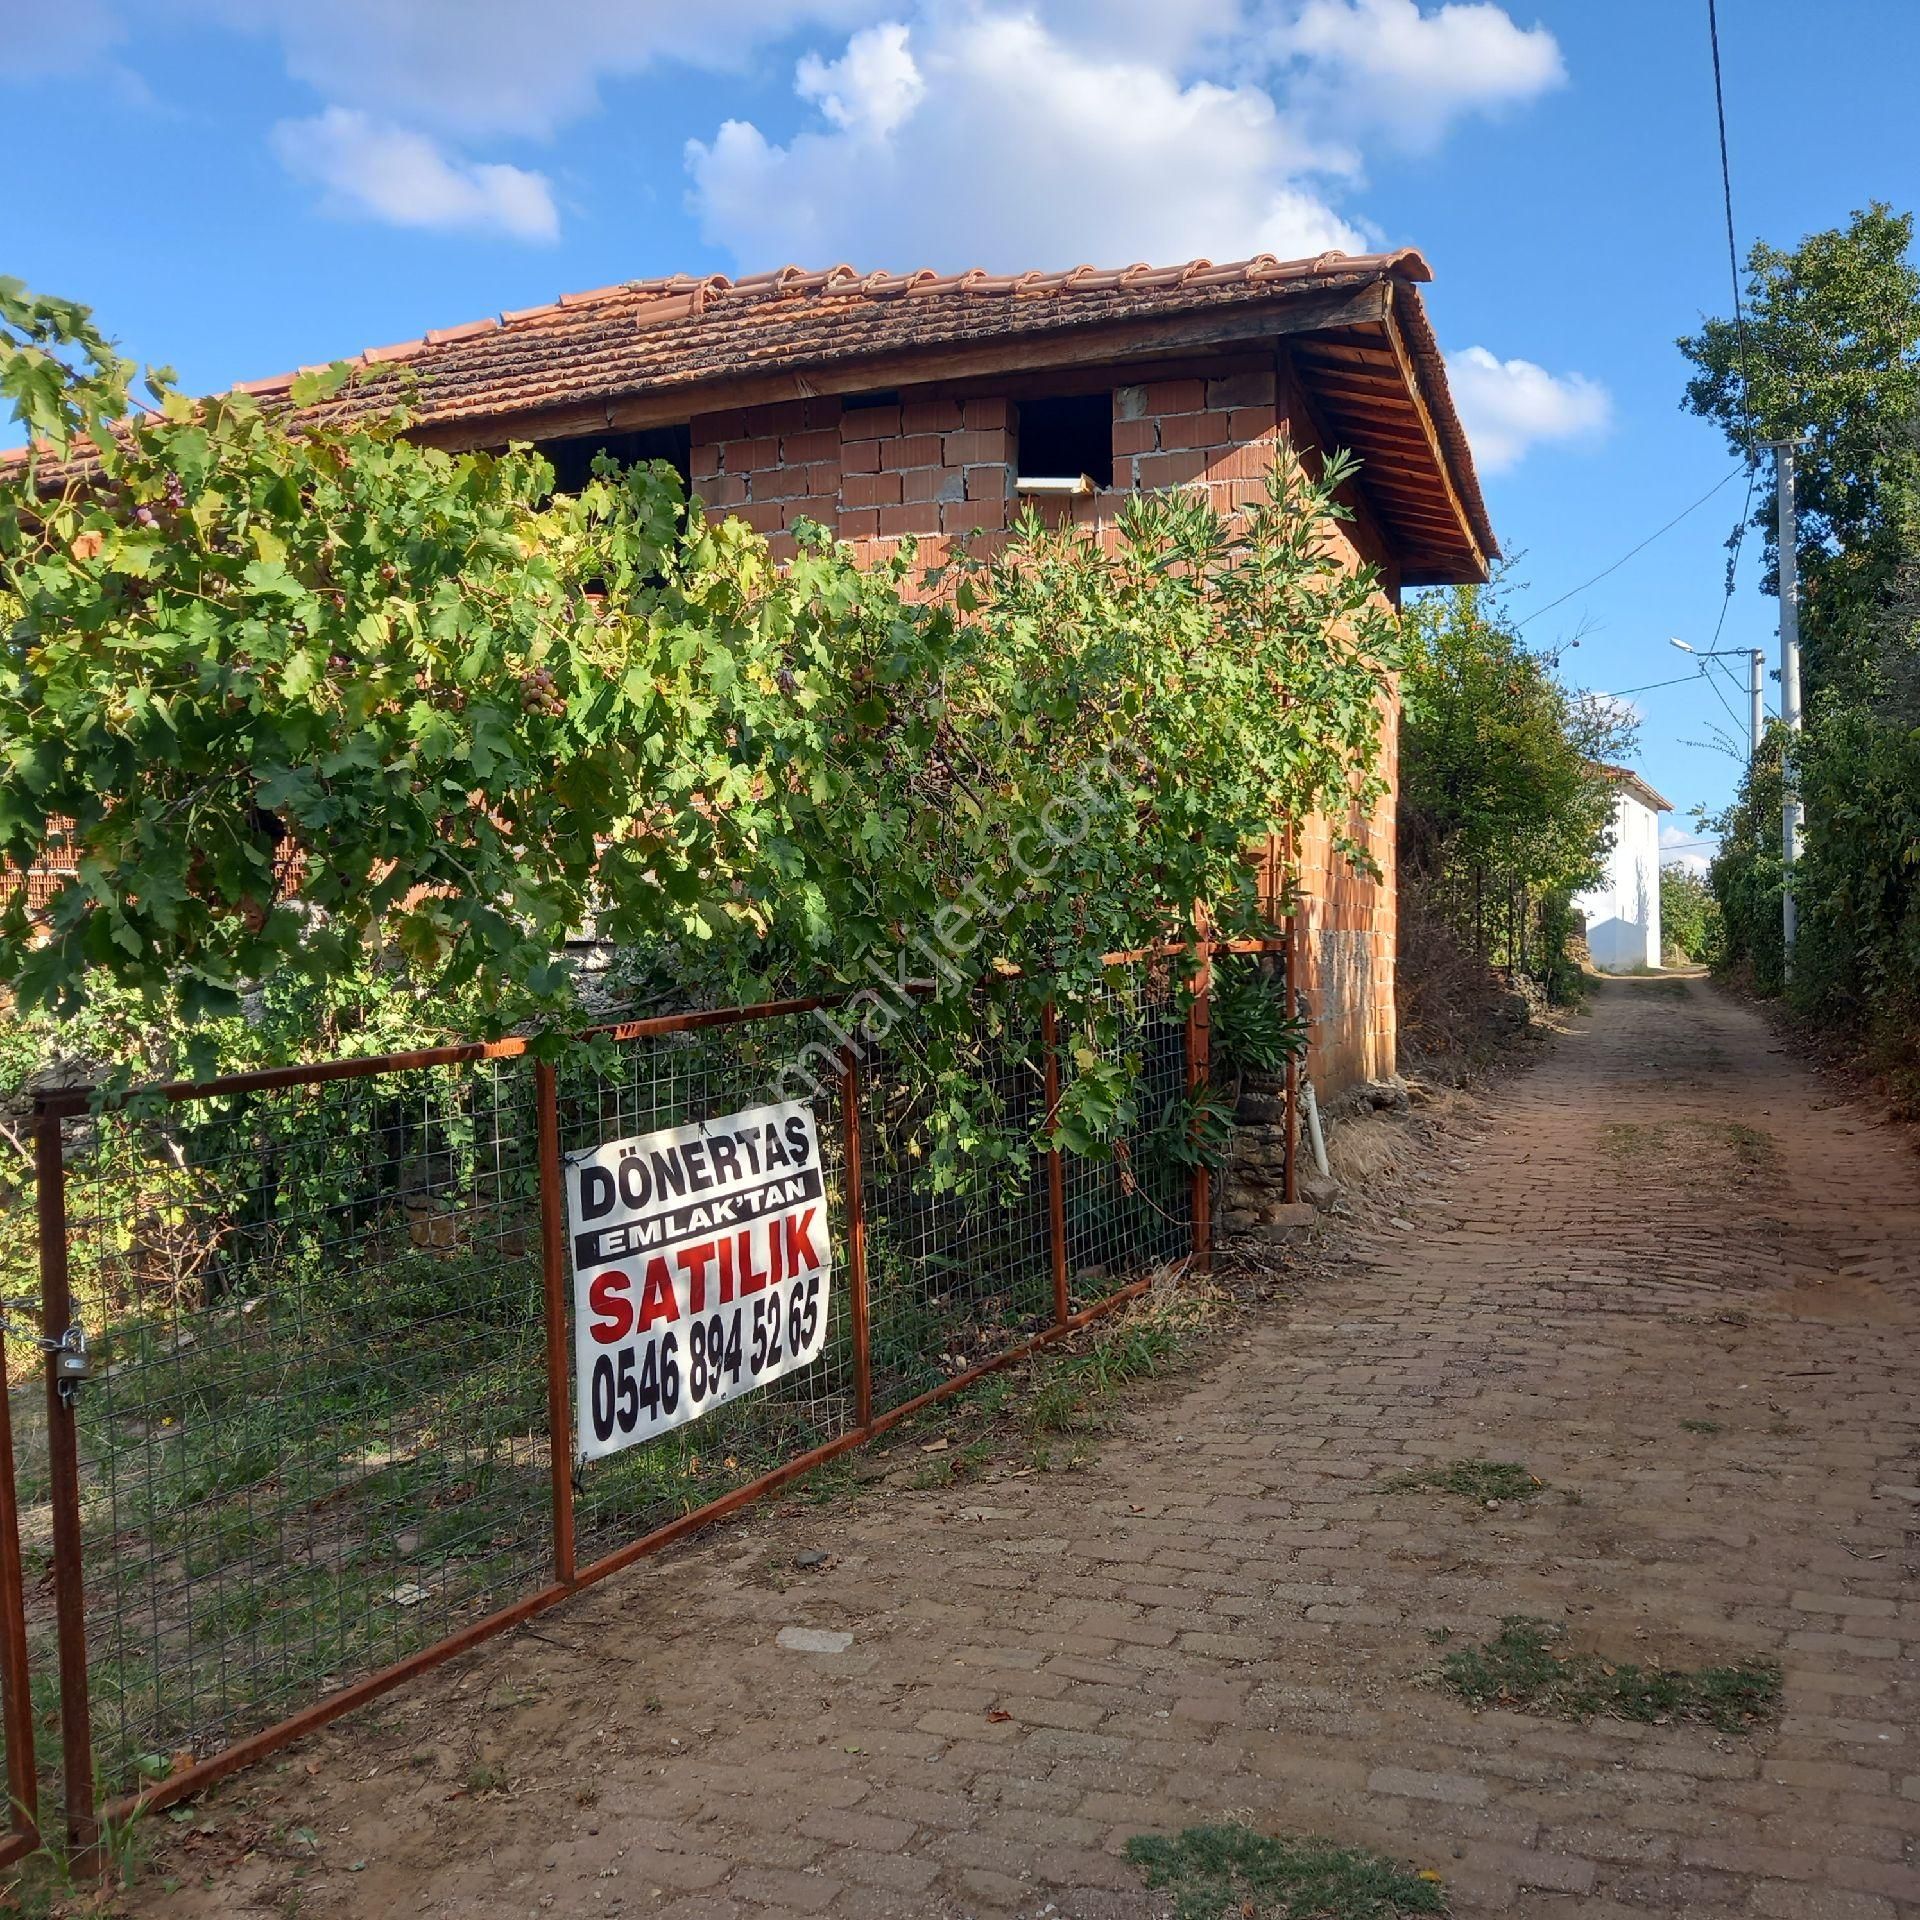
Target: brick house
pixel 892 404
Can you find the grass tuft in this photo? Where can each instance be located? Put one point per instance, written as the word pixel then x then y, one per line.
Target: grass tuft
pixel 1522 1668
pixel 1215 1871
pixel 1473 1479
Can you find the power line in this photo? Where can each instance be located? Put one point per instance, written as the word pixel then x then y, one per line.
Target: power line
pixel 1733 245
pixel 1621 692
pixel 1733 473
pixel 1739 321
pixel 1721 697
pixel 1737 684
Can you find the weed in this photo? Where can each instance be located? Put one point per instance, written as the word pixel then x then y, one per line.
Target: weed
pixel 1701 1426
pixel 839 1479
pixel 1232 1870
pixel 1751 1147
pixel 1132 1349
pixel 1630 1140
pixel 1521 1668
pixel 1646 1143
pixel 953 1468
pixel 1479 1480
pixel 52 1881
pixel 1058 1406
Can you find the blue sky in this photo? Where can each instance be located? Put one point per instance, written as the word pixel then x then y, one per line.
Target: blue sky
pixel 239 186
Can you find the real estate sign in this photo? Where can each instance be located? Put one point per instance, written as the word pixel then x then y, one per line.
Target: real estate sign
pixel 700 1265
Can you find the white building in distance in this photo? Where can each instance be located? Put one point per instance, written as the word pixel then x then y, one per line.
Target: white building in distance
pixel 1623 911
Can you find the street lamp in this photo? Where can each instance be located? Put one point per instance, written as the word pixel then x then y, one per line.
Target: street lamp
pixel 1756 675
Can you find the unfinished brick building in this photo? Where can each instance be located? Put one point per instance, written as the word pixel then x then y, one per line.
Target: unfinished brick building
pixel 885 405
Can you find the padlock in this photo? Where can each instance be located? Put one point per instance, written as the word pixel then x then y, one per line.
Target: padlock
pixel 72 1363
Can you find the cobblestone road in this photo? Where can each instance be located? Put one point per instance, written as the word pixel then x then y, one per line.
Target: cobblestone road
pixel 1666 1222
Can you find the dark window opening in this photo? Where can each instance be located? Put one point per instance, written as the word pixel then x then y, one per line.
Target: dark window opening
pixel 1067 437
pixel 573 459
pixel 858 402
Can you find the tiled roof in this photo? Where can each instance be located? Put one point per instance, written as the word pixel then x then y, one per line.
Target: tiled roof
pixel 657 336
pixel 649 334
pixel 1624 777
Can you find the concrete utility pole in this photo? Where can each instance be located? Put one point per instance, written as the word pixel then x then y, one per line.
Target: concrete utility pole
pixel 1791 815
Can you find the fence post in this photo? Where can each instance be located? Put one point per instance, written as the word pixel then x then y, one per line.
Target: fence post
pixel 1291 960
pixel 553 1264
pixel 23 1782
pixel 63 1472
pixel 1056 1172
pixel 854 1178
pixel 1199 1027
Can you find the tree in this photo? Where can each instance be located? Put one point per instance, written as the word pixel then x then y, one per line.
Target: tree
pixel 1830 358
pixel 1689 915
pixel 1502 789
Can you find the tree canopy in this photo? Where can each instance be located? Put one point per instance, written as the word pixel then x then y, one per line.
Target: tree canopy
pixel 1829 358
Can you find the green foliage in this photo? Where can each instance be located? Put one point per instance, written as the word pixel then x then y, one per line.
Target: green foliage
pixel 1833 360
pixel 1214 1871
pixel 1857 885
pixel 1523 1668
pixel 1746 873
pixel 1501 800
pixel 305 698
pixel 1690 922
pixel 1252 1031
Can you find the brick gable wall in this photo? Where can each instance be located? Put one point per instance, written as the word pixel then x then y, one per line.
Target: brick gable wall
pixel 941 467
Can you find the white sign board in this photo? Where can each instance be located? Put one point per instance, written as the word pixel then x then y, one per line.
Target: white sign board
pixel 700 1265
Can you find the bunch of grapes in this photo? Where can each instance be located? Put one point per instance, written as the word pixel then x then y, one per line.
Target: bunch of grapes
pixel 539 695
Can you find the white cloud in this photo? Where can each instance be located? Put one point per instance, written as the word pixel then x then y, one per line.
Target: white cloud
pixel 1388 64
pixel 1691 850
pixel 1614 707
pixel 481 68
pixel 1011 148
pixel 1508 406
pixel 871 88
pixel 369 169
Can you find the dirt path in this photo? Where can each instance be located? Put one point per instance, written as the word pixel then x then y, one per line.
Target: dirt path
pixel 1667 1222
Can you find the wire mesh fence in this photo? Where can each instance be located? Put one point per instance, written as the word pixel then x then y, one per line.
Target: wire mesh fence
pixel 1132 1210
pixel 332 1324
pixel 318 1441
pixel 958 1254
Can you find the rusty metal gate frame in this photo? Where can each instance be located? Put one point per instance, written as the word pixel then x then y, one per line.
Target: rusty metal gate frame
pixel 84 1818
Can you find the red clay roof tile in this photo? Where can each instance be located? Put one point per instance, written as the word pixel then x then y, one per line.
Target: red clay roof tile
pixel 682 330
